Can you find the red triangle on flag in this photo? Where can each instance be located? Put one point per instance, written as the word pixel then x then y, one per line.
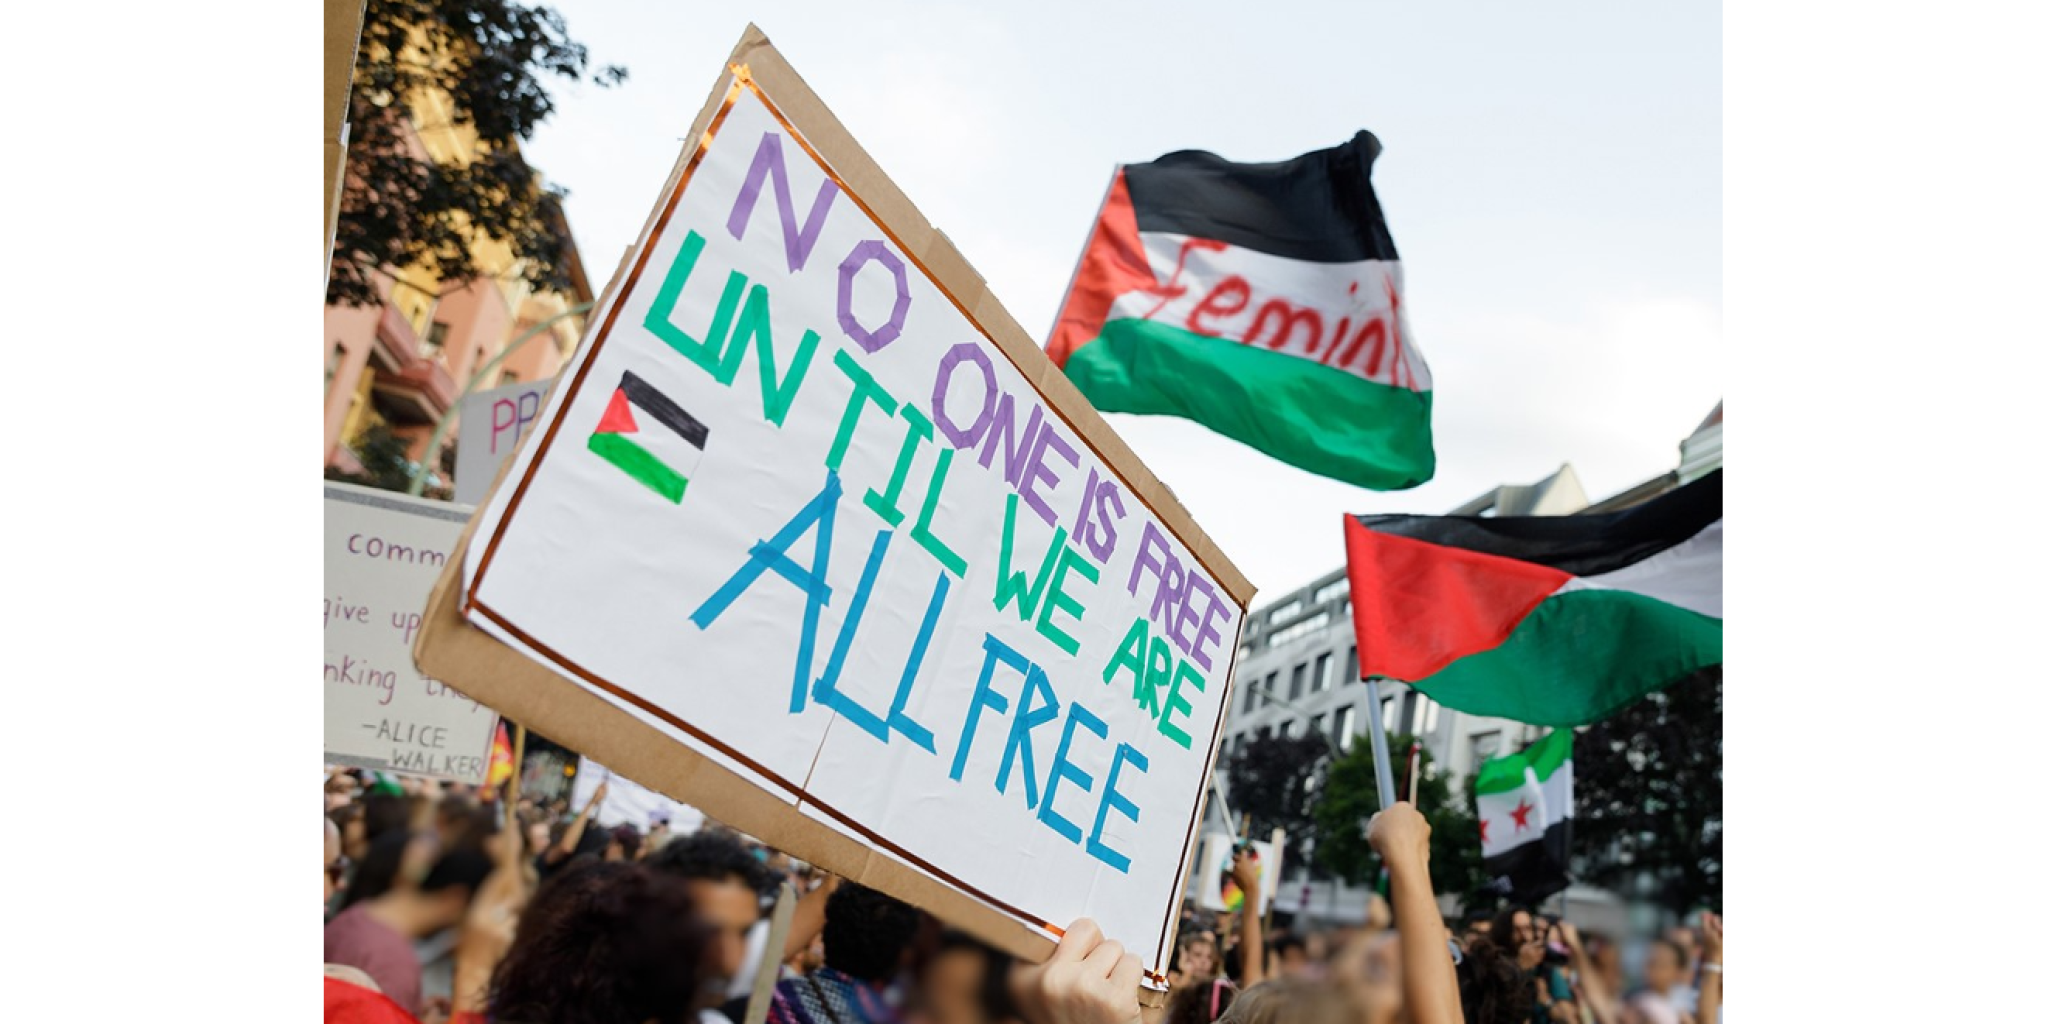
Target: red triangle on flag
pixel 618 416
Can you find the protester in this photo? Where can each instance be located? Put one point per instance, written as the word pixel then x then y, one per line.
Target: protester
pixel 1658 1002
pixel 335 865
pixel 573 842
pixel 965 981
pixel 376 934
pixel 727 884
pixel 866 933
pixel 601 943
pixel 624 844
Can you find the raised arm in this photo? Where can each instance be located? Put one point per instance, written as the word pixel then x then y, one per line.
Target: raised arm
pixel 808 920
pixel 1429 984
pixel 1603 1004
pixel 572 836
pixel 1251 943
pixel 1710 969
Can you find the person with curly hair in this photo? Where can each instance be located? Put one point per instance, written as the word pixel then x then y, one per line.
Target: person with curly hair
pixel 866 933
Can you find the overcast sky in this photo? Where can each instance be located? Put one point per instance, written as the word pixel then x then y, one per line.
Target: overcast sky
pixel 1552 178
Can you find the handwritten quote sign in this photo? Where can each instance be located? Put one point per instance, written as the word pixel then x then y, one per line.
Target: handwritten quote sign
pixel 795 507
pixel 383 553
pixel 493 422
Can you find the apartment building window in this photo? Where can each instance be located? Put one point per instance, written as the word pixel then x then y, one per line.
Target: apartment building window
pixel 1322 678
pixel 1351 665
pixel 1344 728
pixel 1272 684
pixel 1388 710
pixel 1484 745
pixel 1251 695
pixel 1297 681
pixel 1266 732
pixel 1315 725
pixel 1331 591
pixel 437 336
pixel 1429 709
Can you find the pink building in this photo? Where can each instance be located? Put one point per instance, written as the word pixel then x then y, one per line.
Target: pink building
pixel 406 361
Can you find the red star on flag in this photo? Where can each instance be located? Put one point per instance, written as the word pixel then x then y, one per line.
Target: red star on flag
pixel 1482 830
pixel 1521 814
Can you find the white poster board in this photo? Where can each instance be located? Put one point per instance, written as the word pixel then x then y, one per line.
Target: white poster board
pixel 492 423
pixel 797 511
pixel 383 553
pixel 629 803
pixel 1213 893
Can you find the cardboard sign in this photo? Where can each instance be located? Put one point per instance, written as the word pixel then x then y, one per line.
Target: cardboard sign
pixel 1212 886
pixel 493 423
pixel 383 553
pixel 814 538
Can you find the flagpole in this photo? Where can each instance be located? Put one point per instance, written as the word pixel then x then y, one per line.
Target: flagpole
pixel 1383 771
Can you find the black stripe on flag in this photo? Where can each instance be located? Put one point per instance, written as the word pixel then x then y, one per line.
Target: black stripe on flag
pixel 1318 207
pixel 664 410
pixel 1580 545
pixel 1532 871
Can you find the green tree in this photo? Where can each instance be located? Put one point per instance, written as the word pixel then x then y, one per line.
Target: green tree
pixel 1349 797
pixel 386 463
pixel 1272 784
pixel 1647 785
pixel 397 209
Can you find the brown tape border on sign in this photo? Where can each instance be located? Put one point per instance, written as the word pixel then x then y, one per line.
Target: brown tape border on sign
pixel 1123 463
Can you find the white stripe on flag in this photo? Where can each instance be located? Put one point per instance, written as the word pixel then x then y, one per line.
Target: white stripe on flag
pixel 1549 802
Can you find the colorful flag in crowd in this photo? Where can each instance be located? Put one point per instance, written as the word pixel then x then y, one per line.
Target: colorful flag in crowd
pixel 1554 620
pixel 1263 301
pixel 501 767
pixel 1525 818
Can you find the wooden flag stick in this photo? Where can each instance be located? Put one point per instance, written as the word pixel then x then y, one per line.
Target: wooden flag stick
pixel 1414 764
pixel 769 970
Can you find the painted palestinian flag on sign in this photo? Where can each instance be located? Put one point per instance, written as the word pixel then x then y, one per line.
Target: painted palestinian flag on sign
pixel 1525 818
pixel 1263 301
pixel 661 458
pixel 1553 620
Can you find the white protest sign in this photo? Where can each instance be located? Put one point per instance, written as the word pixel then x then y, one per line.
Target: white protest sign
pixel 799 513
pixel 1217 890
pixel 629 803
pixel 492 423
pixel 383 553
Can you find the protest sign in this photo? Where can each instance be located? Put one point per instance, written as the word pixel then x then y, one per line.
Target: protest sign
pixel 629 803
pixel 383 554
pixel 1213 888
pixel 814 538
pixel 492 423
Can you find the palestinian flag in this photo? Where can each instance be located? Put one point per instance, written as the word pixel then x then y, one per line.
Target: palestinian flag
pixel 1553 620
pixel 1525 818
pixel 1263 301
pixel 661 458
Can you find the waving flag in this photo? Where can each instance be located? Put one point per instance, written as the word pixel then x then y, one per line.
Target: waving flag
pixel 1553 620
pixel 1263 301
pixel 1525 818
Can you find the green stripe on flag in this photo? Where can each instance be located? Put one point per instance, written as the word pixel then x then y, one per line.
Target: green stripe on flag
pixel 640 464
pixel 1580 656
pixel 1507 774
pixel 1295 409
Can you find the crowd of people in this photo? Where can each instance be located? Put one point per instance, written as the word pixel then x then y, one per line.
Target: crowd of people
pixel 445 906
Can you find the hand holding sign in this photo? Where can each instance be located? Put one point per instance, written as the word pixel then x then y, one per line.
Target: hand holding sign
pixel 1087 981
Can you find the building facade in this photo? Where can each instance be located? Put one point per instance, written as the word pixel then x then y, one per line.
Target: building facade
pixel 406 360
pixel 1297 669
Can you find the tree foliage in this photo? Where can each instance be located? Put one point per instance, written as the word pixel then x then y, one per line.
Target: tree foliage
pixel 387 464
pixel 1647 784
pixel 1270 783
pixel 1349 797
pixel 489 58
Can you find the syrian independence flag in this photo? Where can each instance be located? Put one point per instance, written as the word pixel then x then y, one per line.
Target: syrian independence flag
pixel 1263 301
pixel 661 457
pixel 1525 818
pixel 1553 620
